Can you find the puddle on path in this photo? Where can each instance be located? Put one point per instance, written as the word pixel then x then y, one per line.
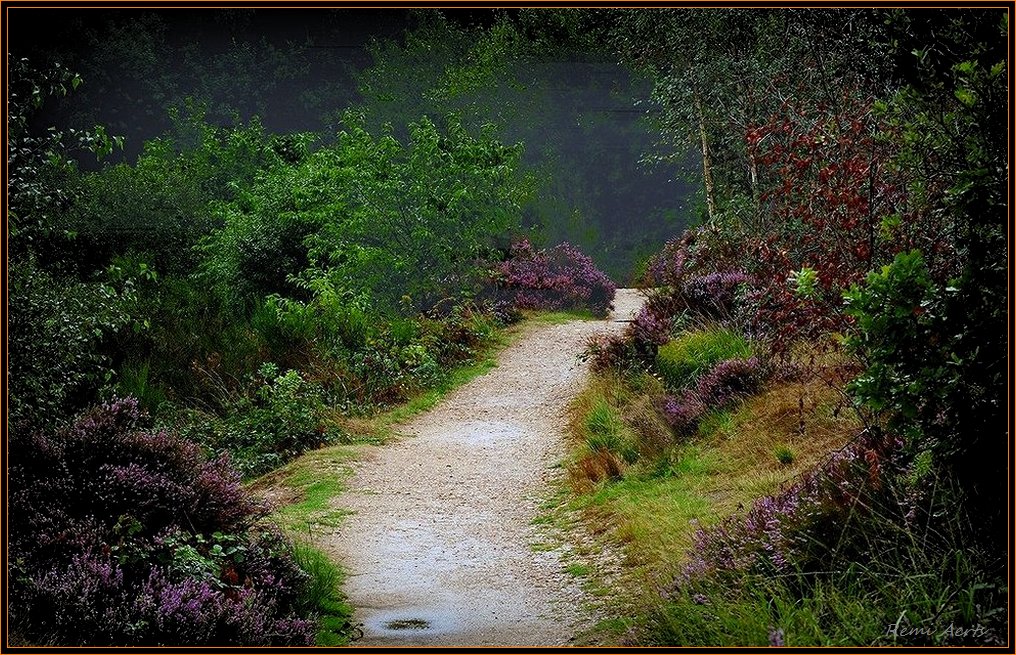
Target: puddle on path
pixel 410 623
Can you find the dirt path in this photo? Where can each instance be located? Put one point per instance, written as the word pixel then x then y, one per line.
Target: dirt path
pixel 439 545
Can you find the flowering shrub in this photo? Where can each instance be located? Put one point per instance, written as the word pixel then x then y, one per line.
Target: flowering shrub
pixel 666 268
pixel 780 533
pixel 120 535
pixel 559 278
pixel 728 381
pixel 650 327
pixel 713 295
pixel 682 413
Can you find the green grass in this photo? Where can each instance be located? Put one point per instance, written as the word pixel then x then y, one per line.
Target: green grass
pixel 311 482
pixel 605 430
pixel 682 360
pixel 324 597
pixel 654 512
pixel 578 570
pixel 652 509
pixel 784 454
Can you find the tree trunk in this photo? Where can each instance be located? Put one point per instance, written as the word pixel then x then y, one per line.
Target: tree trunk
pixel 707 160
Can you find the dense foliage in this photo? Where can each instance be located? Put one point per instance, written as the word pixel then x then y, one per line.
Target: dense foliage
pixel 121 534
pixel 248 291
pixel 849 215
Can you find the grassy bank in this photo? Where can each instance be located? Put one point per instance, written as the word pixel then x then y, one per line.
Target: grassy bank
pixel 645 496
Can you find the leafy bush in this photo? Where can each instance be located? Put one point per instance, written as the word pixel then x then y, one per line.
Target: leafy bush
pixel 280 420
pixel 402 224
pixel 682 360
pixel 895 315
pixel 559 278
pixel 57 328
pixel 935 362
pixel 125 536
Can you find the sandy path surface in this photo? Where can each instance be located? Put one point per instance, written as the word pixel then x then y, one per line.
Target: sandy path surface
pixel 439 545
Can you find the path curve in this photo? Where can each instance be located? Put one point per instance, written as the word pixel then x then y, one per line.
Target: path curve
pixel 439 544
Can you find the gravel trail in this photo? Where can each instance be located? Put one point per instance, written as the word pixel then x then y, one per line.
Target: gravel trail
pixel 439 546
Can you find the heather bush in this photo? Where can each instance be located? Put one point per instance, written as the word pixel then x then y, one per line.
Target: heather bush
pixel 858 525
pixel 649 328
pixel 713 295
pixel 555 279
pixel 635 348
pixel 683 413
pixel 727 382
pixel 667 267
pixel 121 535
pixel 794 530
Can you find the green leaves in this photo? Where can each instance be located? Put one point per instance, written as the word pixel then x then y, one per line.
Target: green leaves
pixel 897 314
pixel 384 218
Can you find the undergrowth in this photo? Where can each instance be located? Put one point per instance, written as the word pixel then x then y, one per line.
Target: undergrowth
pixel 646 492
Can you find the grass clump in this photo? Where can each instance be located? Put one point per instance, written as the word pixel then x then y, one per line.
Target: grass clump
pixel 323 596
pixel 606 431
pixel 682 360
pixel 784 454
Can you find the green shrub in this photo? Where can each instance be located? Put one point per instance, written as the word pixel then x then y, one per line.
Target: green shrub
pixel 262 431
pixel 682 360
pixel 57 331
pixel 935 369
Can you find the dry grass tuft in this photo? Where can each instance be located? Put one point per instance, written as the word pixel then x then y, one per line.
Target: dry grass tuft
pixel 594 467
